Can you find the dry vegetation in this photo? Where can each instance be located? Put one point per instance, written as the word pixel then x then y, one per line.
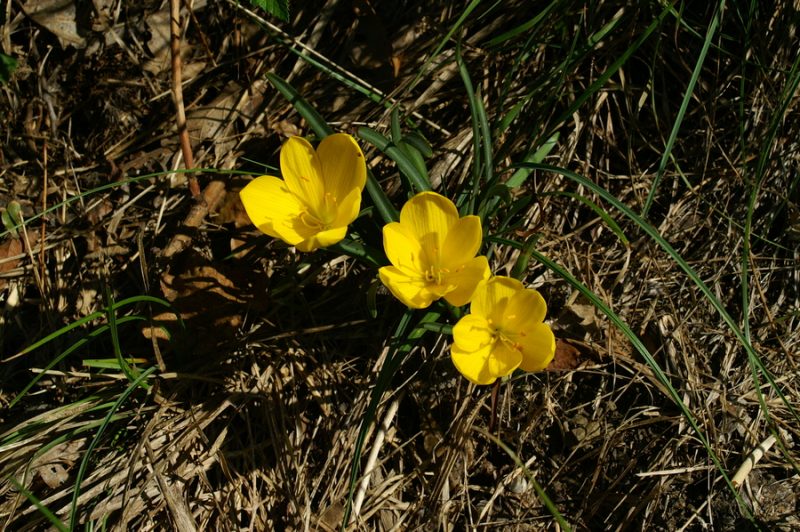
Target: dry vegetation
pixel 255 407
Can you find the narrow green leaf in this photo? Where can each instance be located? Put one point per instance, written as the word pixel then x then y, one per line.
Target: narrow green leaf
pixel 658 373
pixel 7 67
pixel 615 66
pixel 520 268
pixel 548 503
pixel 419 143
pixel 475 181
pixel 397 134
pixel 77 345
pixel 467 10
pixel 687 96
pixel 417 182
pixel 44 510
pixel 522 28
pixel 401 345
pixel 110 363
pixel 534 156
pixel 314 119
pixel 77 323
pixel 609 221
pixel 653 233
pixel 276 8
pixel 131 372
pixel 139 381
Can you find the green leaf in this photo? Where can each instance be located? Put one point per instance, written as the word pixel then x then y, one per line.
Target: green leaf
pixel 44 510
pixel 7 66
pixel 417 181
pixel 276 8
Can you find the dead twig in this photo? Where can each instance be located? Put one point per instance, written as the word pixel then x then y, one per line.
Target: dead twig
pixel 177 93
pixel 212 196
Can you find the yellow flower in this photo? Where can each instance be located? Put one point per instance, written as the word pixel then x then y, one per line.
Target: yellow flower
pixel 432 252
pixel 319 196
pixel 504 331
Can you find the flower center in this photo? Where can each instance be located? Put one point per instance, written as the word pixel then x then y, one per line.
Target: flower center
pixel 503 336
pixel 322 218
pixel 435 274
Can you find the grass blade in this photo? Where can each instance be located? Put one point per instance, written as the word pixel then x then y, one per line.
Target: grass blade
pixel 73 513
pixel 77 345
pixel 654 234
pixel 543 498
pixel 477 130
pixel 698 67
pixel 314 119
pixel 44 510
pixel 403 344
pixel 417 182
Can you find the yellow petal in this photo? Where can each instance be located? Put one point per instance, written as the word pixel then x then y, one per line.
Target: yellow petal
pixel 323 239
pixel 303 175
pixel 462 242
pixel 474 365
pixel 347 209
pixel 429 216
pixel 491 297
pixel 538 347
pixel 343 165
pixel 465 280
pixel 503 360
pixel 525 309
pixel 411 290
pixel 472 333
pixel 273 209
pixel 402 249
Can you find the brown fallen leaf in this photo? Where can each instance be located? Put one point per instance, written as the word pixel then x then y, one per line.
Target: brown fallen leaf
pixel 53 467
pixel 12 252
pixel 60 18
pixel 211 302
pixel 570 355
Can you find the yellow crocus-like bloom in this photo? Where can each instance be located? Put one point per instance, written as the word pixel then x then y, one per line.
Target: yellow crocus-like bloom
pixel 432 251
pixel 318 197
pixel 504 331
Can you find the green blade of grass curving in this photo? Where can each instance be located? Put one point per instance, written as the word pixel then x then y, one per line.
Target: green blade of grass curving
pixel 314 119
pixel 80 343
pixel 778 117
pixel 543 498
pixel 615 66
pixel 403 344
pixel 467 11
pixel 522 28
pixel 130 372
pixel 481 137
pixel 698 67
pixel 607 219
pixel 674 255
pixel 73 513
pixel 534 156
pixel 44 510
pixel 322 129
